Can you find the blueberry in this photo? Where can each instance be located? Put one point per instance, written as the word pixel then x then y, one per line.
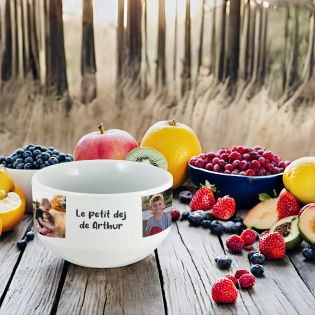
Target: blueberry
pixel 228 227
pixel 15 164
pixel 27 154
pixel 216 227
pixel 185 196
pixel 30 147
pixel 312 247
pixel 238 219
pixel 209 216
pixel 258 259
pixel 18 161
pixel 37 152
pixel 30 235
pixel 51 148
pixel 35 165
pixel 56 152
pixel 185 215
pixel 50 152
pixel 53 161
pixel 61 157
pixel 195 219
pixel 205 224
pixel 308 254
pixel 238 228
pixel 223 262
pixel 39 161
pixel 257 270
pixel 9 160
pixel 20 166
pixel 19 151
pixel 21 244
pixel 2 159
pixel 43 149
pixel 28 166
pixel 29 160
pixel 68 159
pixel 251 253
pixel 38 147
pixel 45 156
pixel 42 165
pixel 46 163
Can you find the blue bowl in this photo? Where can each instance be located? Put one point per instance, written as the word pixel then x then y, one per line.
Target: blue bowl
pixel 244 189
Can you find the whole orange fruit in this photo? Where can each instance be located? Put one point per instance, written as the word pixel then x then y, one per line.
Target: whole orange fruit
pixel 177 142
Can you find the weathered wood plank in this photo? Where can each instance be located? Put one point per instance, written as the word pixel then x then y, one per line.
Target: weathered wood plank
pixel 134 289
pixel 188 268
pixel 9 254
pixel 34 285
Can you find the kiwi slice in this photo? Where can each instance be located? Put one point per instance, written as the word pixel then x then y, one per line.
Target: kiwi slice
pixel 149 156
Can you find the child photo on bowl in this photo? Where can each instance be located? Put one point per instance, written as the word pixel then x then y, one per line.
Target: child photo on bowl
pixel 156 213
pixel 50 216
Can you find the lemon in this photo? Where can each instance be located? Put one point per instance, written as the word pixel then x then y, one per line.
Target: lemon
pixel 177 142
pixel 6 183
pixel 0 226
pixel 299 179
pixel 12 208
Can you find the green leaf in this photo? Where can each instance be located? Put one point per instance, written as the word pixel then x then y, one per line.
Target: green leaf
pixel 263 197
pixel 212 187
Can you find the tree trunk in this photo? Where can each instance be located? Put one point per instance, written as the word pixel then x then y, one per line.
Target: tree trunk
pixel 6 58
pixel 160 74
pixel 286 40
pixel 213 48
pixel 120 41
pixel 309 62
pixel 88 64
pixel 221 63
pixel 201 35
pixel 234 38
pixel 57 75
pixel 186 77
pixel 175 44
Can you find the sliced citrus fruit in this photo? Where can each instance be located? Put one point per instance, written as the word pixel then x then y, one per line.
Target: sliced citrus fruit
pixel 12 208
pixel 6 182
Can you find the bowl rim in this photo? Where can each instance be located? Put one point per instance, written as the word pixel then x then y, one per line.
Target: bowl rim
pixel 17 170
pixel 150 191
pixel 234 175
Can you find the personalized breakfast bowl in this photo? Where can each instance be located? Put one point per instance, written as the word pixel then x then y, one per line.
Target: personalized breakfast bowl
pixel 102 213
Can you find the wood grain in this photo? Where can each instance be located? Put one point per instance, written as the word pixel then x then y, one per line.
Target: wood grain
pixel 134 289
pixel 9 254
pixel 35 283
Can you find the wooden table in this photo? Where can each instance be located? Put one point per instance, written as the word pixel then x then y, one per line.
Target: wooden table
pixel 175 279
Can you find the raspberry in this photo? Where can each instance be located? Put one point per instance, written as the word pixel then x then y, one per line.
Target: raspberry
pixel 246 281
pixel 240 272
pixel 175 214
pixel 224 291
pixel 249 236
pixel 272 245
pixel 235 243
pixel 224 208
pixel 232 278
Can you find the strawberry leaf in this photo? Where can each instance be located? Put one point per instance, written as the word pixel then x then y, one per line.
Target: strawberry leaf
pixel 263 197
pixel 212 187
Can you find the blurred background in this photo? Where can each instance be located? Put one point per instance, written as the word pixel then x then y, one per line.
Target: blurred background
pixel 236 71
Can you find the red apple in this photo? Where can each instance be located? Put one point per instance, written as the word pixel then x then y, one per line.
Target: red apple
pixel 111 144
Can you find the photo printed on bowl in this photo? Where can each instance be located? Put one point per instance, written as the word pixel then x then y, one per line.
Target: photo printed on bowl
pixel 50 215
pixel 156 212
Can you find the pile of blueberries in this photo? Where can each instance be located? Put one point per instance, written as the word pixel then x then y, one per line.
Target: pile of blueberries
pixel 32 157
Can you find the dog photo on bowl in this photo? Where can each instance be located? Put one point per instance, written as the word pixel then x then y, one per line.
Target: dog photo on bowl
pixel 50 216
pixel 156 216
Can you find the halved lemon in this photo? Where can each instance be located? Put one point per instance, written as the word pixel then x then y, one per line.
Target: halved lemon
pixel 12 208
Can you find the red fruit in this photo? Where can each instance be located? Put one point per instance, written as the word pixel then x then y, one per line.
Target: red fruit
pixel 264 233
pixel 248 247
pixel 232 278
pixel 224 291
pixel 224 208
pixel 112 144
pixel 287 205
pixel 209 166
pixel 309 205
pixel 240 272
pixel 175 214
pixel 235 243
pixel 203 199
pixel 235 156
pixel 272 245
pixel 249 236
pixel 250 172
pixel 246 281
pixel 155 230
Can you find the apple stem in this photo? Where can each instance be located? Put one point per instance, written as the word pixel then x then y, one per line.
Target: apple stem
pixel 173 122
pixel 101 128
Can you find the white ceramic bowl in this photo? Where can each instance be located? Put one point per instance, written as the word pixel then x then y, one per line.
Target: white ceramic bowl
pixel 100 187
pixel 23 180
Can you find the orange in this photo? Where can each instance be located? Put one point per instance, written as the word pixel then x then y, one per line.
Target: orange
pixel 12 208
pixel 177 142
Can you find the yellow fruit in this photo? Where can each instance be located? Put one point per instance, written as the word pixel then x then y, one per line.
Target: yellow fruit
pixel 299 179
pixel 12 208
pixel 6 183
pixel 177 142
pixel 0 226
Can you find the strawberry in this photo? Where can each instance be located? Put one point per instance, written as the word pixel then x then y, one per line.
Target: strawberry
pixel 224 208
pixel 306 207
pixel 224 291
pixel 235 243
pixel 203 199
pixel 249 236
pixel 232 278
pixel 240 272
pixel 246 281
pixel 175 214
pixel 287 205
pixel 272 245
pixel 264 233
